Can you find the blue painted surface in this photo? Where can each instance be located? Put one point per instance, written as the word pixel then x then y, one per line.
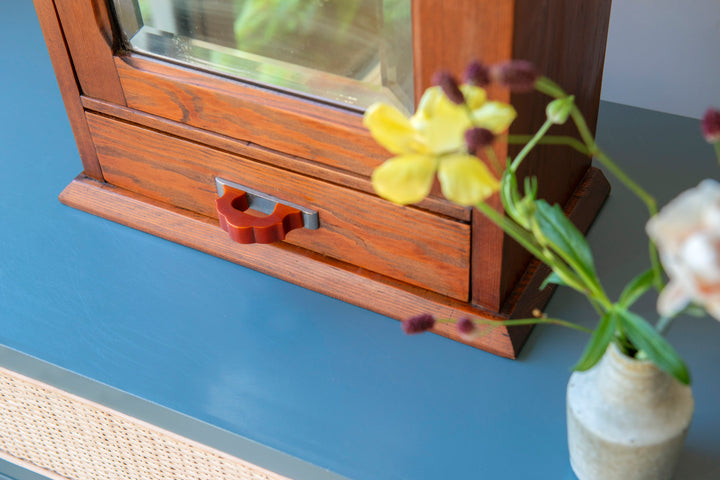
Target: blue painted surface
pixel 324 381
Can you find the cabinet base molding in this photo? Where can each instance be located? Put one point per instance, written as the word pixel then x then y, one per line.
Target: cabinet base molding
pixel 331 277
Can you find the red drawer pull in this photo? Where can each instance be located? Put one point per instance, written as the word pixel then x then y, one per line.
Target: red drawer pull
pixel 246 228
pixel 281 216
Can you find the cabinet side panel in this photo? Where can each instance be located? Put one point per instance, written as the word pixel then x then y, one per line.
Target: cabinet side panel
pixel 566 40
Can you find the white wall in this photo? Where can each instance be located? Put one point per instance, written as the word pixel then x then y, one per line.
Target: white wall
pixel 664 55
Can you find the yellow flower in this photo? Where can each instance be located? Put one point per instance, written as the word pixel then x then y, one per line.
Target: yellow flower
pixel 433 141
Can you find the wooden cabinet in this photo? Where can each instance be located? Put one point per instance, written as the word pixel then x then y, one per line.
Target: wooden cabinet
pixel 153 136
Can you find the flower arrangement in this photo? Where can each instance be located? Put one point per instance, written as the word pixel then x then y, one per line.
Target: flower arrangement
pixel 451 136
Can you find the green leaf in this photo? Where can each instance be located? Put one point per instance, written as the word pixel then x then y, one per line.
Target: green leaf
pixel 567 240
pixel 552 278
pixel 636 288
pixel 601 338
pixel 657 349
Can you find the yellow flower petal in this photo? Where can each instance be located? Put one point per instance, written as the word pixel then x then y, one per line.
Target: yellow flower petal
pixel 428 102
pixel 495 116
pixel 440 123
pixel 466 180
pixel 405 179
pixel 391 129
pixel 475 97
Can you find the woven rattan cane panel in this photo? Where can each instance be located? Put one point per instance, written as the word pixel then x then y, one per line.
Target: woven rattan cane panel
pixel 64 436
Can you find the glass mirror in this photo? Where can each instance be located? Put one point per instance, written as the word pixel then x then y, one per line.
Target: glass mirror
pixel 346 52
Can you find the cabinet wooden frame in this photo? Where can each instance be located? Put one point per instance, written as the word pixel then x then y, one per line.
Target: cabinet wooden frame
pixel 564 38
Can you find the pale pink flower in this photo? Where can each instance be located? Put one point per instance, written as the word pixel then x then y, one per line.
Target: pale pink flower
pixel 687 234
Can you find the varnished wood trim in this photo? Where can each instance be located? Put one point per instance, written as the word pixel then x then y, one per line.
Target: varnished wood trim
pixel 89 34
pixel 65 74
pixel 287 262
pixel 262 154
pixel 487 259
pixel 280 122
pixel 449 34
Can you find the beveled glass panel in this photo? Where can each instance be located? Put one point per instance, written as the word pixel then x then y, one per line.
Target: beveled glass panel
pixel 348 52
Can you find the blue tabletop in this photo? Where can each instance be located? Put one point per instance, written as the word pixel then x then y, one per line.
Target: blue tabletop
pixel 295 372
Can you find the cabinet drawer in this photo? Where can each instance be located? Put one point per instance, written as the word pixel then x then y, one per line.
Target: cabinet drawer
pixel 407 244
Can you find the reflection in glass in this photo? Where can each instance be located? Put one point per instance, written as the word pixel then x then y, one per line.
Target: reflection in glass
pixel 349 52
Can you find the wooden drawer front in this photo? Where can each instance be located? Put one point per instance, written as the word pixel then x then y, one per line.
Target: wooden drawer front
pixel 404 243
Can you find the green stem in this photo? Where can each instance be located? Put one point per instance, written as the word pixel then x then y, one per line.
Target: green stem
pixel 526 240
pixel 596 306
pixel 550 321
pixel 645 197
pixel 590 280
pixel 523 321
pixel 717 150
pixel 549 140
pixel 530 145
pixel 574 277
pixel 548 87
pixel 627 181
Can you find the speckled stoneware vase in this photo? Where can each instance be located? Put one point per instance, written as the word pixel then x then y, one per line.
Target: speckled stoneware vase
pixel 626 420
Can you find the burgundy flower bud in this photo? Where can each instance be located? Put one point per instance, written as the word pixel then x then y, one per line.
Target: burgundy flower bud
pixel 418 323
pixel 449 86
pixel 477 138
pixel 710 125
pixel 477 73
pixel 518 75
pixel 466 326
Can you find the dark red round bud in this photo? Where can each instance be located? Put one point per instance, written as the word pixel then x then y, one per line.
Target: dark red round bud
pixel 518 75
pixel 466 326
pixel 449 85
pixel 477 73
pixel 710 125
pixel 478 138
pixel 418 323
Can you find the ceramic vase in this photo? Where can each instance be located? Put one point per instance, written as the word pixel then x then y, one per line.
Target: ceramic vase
pixel 626 420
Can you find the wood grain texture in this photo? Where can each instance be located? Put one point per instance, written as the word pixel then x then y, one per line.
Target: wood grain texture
pixel 320 133
pixel 570 49
pixel 448 35
pixel 62 64
pixel 262 154
pixel 90 39
pixel 338 279
pixel 402 242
